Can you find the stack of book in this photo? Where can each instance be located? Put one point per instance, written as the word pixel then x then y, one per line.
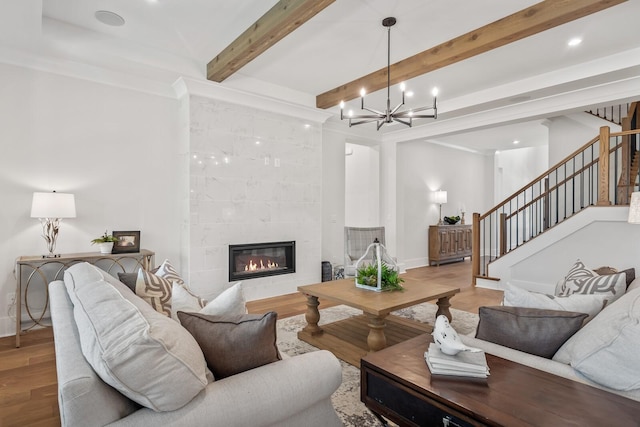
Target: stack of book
pixel 463 364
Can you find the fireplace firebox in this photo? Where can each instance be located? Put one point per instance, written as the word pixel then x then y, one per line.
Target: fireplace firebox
pixel 261 259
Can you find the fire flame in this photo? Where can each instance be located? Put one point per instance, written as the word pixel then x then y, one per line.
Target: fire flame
pixel 254 266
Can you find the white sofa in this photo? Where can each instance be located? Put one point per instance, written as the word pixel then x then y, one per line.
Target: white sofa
pixel 295 391
pixel 612 336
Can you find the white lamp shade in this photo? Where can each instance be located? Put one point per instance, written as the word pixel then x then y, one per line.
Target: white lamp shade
pixel 440 197
pixel 53 205
pixel 634 208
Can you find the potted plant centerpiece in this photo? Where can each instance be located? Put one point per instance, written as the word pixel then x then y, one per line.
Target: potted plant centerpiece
pixel 381 274
pixel 105 242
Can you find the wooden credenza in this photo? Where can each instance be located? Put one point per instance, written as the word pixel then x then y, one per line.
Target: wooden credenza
pixel 449 243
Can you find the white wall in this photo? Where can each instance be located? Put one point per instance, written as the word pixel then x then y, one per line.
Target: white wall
pixel 599 236
pixel 362 186
pixel 517 168
pixel 115 149
pixel 568 133
pixel 424 168
pixel 333 196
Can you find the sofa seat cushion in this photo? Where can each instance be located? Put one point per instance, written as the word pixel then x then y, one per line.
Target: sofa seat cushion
pixel 532 330
pixel 146 356
pixel 606 349
pixel 234 343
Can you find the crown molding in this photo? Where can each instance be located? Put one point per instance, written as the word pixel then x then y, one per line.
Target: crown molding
pixel 605 80
pixel 78 70
pixel 188 87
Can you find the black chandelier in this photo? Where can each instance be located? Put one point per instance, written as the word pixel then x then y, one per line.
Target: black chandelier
pixel 388 115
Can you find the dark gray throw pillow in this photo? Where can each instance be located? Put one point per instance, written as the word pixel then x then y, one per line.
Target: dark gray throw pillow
pixel 129 279
pixel 234 344
pixel 531 330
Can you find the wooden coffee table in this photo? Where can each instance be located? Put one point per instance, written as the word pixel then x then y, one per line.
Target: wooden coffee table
pixel 396 384
pixel 352 338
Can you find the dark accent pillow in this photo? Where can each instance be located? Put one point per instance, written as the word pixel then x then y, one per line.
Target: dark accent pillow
pixel 234 344
pixel 532 330
pixel 629 272
pixel 129 279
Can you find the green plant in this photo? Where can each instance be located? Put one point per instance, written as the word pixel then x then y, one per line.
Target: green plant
pixel 451 219
pixel 105 238
pixel 389 278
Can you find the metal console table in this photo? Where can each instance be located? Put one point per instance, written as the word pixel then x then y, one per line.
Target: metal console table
pixel 35 273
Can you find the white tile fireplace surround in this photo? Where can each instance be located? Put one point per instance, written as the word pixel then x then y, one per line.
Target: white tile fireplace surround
pixel 255 176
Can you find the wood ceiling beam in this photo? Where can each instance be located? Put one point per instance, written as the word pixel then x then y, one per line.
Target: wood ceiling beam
pixel 282 19
pixel 527 22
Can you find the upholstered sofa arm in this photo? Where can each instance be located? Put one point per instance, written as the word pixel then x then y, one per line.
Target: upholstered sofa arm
pixel 274 394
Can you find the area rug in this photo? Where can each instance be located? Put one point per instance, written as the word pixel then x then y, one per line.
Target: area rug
pixel 346 400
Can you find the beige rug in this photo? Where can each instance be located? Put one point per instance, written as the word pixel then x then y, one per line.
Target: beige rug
pixel 346 399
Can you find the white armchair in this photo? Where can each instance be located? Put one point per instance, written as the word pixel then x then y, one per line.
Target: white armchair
pixel 356 242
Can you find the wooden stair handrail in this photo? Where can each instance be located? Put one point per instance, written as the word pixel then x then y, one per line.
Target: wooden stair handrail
pixel 603 196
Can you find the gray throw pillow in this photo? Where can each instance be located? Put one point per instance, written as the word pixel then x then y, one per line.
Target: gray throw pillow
pixel 234 343
pixel 129 279
pixel 531 330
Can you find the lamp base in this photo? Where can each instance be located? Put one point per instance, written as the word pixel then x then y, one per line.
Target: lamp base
pixel 51 256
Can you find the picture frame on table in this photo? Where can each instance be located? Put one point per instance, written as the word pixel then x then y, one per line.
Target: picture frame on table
pixel 128 241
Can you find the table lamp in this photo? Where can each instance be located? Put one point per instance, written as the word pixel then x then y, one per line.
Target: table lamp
pixel 440 197
pixel 50 208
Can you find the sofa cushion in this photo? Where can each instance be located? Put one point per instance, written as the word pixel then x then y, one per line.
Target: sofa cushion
pixel 581 280
pixel 234 343
pixel 606 349
pixel 129 279
pixel 230 302
pixel 532 330
pixel 590 304
pixel 146 356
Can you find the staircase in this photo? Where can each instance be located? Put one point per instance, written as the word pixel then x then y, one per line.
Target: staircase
pixel 611 113
pixel 604 172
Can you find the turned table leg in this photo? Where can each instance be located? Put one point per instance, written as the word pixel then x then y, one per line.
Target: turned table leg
pixel 376 338
pixel 443 307
pixel 312 316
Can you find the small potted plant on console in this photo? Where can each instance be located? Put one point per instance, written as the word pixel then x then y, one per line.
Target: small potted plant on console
pixel 105 242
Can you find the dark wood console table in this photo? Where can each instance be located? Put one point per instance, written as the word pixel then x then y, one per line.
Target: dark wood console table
pixel 396 384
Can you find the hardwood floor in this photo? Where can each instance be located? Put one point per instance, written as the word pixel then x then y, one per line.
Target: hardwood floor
pixel 28 384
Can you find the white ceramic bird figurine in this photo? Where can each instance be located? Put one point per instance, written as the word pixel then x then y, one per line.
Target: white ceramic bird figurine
pixel 448 339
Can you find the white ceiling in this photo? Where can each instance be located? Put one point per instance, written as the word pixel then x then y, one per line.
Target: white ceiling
pixel 165 39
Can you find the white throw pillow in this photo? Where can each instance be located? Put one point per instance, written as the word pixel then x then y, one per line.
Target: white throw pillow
pixel 167 271
pixel 581 280
pixel 589 304
pixel 144 355
pixel 606 349
pixel 229 302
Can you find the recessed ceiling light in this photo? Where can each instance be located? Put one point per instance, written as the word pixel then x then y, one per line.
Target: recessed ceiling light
pixel 574 41
pixel 109 18
pixel 515 141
